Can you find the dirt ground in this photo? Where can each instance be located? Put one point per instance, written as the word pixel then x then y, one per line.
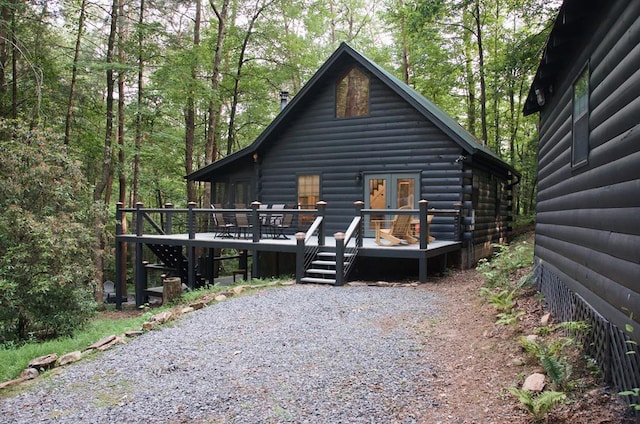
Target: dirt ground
pixel 481 360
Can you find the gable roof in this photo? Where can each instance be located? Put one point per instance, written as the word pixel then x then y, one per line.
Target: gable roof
pixel 428 109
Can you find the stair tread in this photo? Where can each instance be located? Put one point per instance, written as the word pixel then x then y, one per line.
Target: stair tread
pixel 333 254
pixel 321 271
pixel 327 263
pixel 317 280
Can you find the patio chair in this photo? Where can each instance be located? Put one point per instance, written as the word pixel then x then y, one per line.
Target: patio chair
pixel 281 224
pixel 271 220
pixel 399 233
pixel 242 224
pixel 222 228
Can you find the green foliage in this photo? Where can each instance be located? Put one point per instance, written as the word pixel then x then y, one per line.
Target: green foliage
pixel 538 405
pixel 553 354
pixel 499 270
pixel 509 318
pixel 503 301
pixel 47 239
pixel 14 358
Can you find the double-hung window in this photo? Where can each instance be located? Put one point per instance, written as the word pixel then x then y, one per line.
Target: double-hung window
pixel 580 129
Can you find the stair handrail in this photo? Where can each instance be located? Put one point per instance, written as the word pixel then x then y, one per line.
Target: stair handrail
pixel 342 248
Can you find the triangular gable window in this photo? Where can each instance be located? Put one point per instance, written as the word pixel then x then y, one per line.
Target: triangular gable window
pixel 352 95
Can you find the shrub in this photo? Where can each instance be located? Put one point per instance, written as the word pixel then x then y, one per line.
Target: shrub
pixel 47 239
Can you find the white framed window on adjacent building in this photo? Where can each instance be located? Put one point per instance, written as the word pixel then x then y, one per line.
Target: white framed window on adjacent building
pixel 580 128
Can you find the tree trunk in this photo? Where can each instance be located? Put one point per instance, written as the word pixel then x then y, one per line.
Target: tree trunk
pixel 236 87
pixel 103 186
pixel 122 178
pixel 107 160
pixel 211 148
pixel 74 74
pixel 481 71
pixel 14 67
pixel 470 77
pixel 405 45
pixel 190 113
pixel 5 16
pixel 140 103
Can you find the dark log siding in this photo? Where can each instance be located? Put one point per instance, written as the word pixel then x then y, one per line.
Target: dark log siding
pixel 588 220
pixel 491 204
pixel 393 138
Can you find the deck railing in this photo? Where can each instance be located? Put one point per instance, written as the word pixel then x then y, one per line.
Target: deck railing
pixel 192 220
pixel 422 233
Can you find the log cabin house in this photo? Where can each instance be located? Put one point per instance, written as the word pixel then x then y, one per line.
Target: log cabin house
pixel 587 250
pixel 354 147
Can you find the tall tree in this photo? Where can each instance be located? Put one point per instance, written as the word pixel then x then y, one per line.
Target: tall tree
pixel 74 73
pixel 190 109
pixel 211 148
pixel 103 186
pixel 139 106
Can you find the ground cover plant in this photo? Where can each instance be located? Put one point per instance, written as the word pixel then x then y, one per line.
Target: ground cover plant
pixel 547 347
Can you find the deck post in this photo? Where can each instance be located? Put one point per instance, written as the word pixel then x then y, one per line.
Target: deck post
pixel 360 235
pixel 191 250
pixel 191 220
pixel 422 267
pixel 255 221
pixel 321 206
pixel 299 256
pixel 168 225
pixel 255 264
pixel 139 267
pixel 120 264
pixel 339 258
pixel 424 239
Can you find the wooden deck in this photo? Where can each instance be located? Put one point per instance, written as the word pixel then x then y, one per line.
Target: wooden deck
pixel 369 247
pixel 315 252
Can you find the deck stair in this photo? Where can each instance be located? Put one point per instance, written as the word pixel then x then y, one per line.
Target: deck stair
pixel 323 267
pixel 173 258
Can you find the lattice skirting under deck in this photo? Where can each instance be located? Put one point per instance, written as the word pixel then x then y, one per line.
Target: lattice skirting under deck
pixel 607 344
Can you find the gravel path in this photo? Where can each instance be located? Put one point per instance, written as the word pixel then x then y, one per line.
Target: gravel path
pixel 299 354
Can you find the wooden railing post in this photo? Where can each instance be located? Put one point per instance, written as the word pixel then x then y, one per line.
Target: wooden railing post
pixel 119 259
pixel 339 258
pixel 321 206
pixel 139 267
pixel 359 206
pixel 255 221
pixel 300 256
pixel 168 226
pixel 191 220
pixel 191 250
pixel 139 219
pixel 424 238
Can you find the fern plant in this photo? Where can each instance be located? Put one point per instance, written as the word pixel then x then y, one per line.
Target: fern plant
pixel 538 405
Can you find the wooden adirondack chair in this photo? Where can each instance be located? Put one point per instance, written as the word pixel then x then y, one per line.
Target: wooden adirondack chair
pixel 399 233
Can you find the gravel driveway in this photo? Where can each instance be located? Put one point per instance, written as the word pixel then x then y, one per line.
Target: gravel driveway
pixel 299 354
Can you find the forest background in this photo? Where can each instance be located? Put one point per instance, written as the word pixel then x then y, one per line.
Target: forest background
pixel 109 101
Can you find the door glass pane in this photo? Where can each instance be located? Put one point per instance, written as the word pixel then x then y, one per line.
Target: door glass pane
pixel 405 192
pixel 308 196
pixel 377 198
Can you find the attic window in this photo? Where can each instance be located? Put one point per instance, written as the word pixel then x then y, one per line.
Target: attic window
pixel 352 95
pixel 580 144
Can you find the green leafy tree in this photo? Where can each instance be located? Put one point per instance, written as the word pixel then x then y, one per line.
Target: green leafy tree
pixel 47 239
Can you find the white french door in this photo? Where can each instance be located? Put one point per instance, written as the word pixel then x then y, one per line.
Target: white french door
pixel 389 191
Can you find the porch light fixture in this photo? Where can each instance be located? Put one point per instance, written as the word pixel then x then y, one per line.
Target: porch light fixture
pixel 255 157
pixel 358 177
pixel 540 97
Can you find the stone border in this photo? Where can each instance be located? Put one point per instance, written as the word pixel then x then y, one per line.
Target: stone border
pixel 47 362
